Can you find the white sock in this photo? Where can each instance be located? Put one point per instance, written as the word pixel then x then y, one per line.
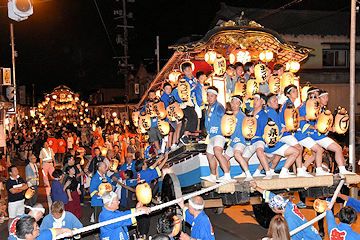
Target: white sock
pixel 303 167
pixel 227 175
pixel 212 176
pixel 283 170
pixel 300 170
pixel 342 169
pixel 268 173
pixel 247 173
pixel 272 170
pixel 320 169
pixel 257 172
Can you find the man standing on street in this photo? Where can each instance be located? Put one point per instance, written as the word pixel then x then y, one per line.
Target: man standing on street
pixel 47 157
pixel 32 178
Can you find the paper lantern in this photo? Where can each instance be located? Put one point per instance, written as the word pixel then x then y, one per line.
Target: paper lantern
pixel 274 84
pixel 163 126
pixel 104 151
pixel 174 111
pixel 228 124
pixel 252 87
pixel 292 120
pixel 113 164
pixel 174 76
pixel 204 93
pixel 271 133
pixel 292 66
pixel 249 125
pixel 82 161
pixel 159 108
pixel 287 78
pixel 341 121
pixel 150 109
pixel 177 226
pixel 135 118
pixel 240 88
pixel 313 108
pixel 320 205
pixel 304 91
pixel 266 56
pixel 93 127
pixel 260 73
pixel 143 193
pixel 30 192
pixel 183 90
pixel 105 186
pixel 219 65
pixel 325 121
pixel 239 55
pixel 145 121
pixel 210 56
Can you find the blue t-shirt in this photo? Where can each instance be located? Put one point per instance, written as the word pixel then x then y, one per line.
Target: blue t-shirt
pixel 303 131
pixel 353 203
pixel 165 99
pixel 262 120
pixel 57 192
pixel 131 166
pixel 213 120
pixel 149 174
pixel 198 94
pixel 201 227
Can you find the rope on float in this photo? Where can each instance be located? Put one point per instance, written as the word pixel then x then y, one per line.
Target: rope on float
pixel 136 214
pixel 314 220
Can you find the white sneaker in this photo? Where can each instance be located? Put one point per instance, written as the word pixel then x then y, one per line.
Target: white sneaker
pixel 209 178
pixel 249 178
pixel 286 175
pixel 346 172
pixel 274 173
pixel 223 179
pixel 267 177
pixel 258 175
pixel 322 173
pixel 304 174
pixel 242 175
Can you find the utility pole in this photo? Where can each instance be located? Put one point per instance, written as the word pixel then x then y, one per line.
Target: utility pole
pixel 125 40
pixel 158 53
pixel 13 70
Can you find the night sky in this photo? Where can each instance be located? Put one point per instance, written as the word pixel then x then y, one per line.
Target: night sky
pixel 64 41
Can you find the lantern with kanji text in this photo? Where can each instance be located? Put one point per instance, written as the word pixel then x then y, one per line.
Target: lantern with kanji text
pixel 291 115
pixel 271 133
pixel 174 111
pixel 341 121
pixel 113 164
pixel 183 90
pixel 219 65
pixel 145 121
pixel 239 55
pixel 135 117
pixel 249 125
pixel 228 124
pixel 325 121
pixel 105 186
pixel 163 126
pixel 252 87
pixel 143 193
pixel 313 108
pixel 159 108
pixel 240 88
pixel 150 109
pixel 287 78
pixel 274 84
pixel 260 73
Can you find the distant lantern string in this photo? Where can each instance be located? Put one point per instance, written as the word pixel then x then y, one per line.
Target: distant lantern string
pixel 136 214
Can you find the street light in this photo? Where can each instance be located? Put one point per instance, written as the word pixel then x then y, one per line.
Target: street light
pixel 19 10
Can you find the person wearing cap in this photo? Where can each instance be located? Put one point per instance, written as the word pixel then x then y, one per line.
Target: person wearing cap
pixel 290 212
pixel 214 112
pixel 59 218
pixel 324 141
pixel 32 178
pixel 282 149
pixel 238 142
pixel 257 142
pixel 118 230
pixel 37 211
pixel 196 217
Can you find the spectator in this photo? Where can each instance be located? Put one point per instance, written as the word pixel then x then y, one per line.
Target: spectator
pixel 165 225
pixel 92 166
pixel 278 229
pixel 32 178
pixel 70 141
pixel 61 150
pixel 47 158
pixel 57 189
pixel 73 192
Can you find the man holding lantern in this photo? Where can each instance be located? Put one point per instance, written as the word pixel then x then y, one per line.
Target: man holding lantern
pixel 215 141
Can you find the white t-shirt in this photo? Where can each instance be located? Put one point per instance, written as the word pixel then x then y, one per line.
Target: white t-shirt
pixel 70 142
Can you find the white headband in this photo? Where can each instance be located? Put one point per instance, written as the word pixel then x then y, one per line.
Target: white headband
pixel 324 93
pixel 209 90
pixel 288 91
pixel 35 210
pixel 197 207
pixel 314 90
pixel 108 197
pixel 237 98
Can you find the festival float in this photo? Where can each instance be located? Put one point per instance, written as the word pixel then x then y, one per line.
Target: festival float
pixel 242 41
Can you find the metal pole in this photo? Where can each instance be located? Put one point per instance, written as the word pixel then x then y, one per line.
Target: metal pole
pixel 13 69
pixel 126 47
pixel 158 53
pixel 352 85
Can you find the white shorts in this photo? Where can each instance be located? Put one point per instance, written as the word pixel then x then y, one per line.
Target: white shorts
pixel 16 208
pixel 250 150
pixel 281 150
pixel 325 142
pixel 307 142
pixel 230 151
pixel 217 141
pixel 198 111
pixel 289 140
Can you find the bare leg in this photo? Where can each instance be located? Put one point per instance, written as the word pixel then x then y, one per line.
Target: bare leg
pixel 309 160
pixel 339 158
pixel 222 160
pixel 298 160
pixel 275 161
pixel 318 151
pixel 212 163
pixel 239 158
pixel 292 154
pixel 263 159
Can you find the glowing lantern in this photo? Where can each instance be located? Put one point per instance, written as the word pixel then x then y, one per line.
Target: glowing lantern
pixel 240 88
pixel 291 116
pixel 174 112
pixel 135 117
pixel 304 92
pixel 239 55
pixel 159 108
pixel 320 205
pixel 188 61
pixel 204 93
pixel 220 65
pixel 228 124
pixel 143 193
pixel 210 57
pixel 183 90
pixel 249 125
pixel 104 151
pixel 81 123
pixel 164 127
pixel 145 121
pixel 292 66
pixel 93 127
pixel 271 133
pixel 75 124
pixel 252 87
pixel 114 114
pixel 82 161
pixel 106 121
pixel 274 84
pixel 113 164
pixel 150 108
pixel 36 121
pixel 287 78
pixel 158 94
pixel 30 192
pixel 105 186
pixel 341 121
pixel 54 96
pixel 177 226
pixel 325 121
pixel 174 76
pixel 266 56
pixel 260 73
pixel 313 108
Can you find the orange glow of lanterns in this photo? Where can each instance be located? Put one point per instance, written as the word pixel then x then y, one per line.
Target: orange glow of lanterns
pixel 150 109
pixel 320 205
pixel 105 186
pixel 210 56
pixel 275 84
pixel 104 151
pixel 325 121
pixel 271 133
pixel 313 108
pixel 135 117
pixel 304 90
pixel 240 88
pixel 260 73
pixel 145 121
pixel 174 76
pixel 164 127
pixel 159 108
pixel 293 66
pixel 30 192
pixel 143 193
pixel 341 121
pixel 249 125
pixel 266 56
pixel 239 55
pixel 174 112
pixel 219 65
pixel 228 124
pixel 287 78
pixel 113 164
pixel 292 120
pixel 252 87
pixel 183 90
